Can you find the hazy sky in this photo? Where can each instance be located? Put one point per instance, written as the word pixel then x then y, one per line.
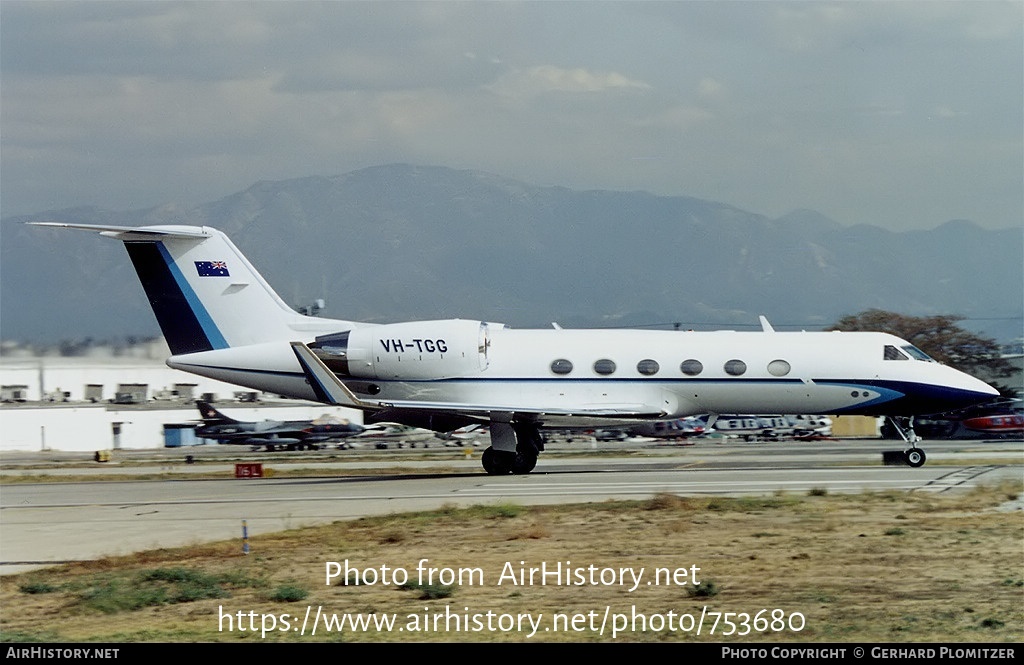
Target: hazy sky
pixel 898 114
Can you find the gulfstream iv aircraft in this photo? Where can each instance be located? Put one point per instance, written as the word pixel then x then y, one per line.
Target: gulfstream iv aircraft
pixel 222 320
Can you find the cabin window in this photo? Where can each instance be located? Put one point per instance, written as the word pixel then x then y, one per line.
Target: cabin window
pixel 648 367
pixel 892 353
pixel 778 368
pixel 604 366
pixel 691 367
pixel 735 367
pixel 561 366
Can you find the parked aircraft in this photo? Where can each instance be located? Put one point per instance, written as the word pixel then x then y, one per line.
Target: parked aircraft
pixel 470 435
pixel 222 320
pixel 675 429
pixel 273 434
pixel 754 428
pixel 386 435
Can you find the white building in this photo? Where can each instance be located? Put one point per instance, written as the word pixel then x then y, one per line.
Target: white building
pixel 89 404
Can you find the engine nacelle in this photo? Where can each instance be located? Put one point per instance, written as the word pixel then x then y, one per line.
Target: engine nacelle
pixel 409 350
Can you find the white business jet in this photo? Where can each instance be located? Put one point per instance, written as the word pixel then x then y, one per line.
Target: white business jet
pixel 222 320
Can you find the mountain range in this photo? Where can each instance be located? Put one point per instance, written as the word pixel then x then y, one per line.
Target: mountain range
pixel 399 242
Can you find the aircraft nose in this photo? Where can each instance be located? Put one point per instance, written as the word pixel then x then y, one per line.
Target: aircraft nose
pixel 970 391
pixel 951 391
pixel 979 386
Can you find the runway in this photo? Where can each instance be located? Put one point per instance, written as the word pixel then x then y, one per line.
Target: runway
pixel 46 523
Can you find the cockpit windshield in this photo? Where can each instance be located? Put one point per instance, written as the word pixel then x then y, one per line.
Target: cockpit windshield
pixel 909 351
pixel 892 353
pixel 917 354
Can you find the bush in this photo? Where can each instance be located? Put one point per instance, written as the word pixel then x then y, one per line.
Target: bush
pixel 430 591
pixel 289 593
pixel 36 587
pixel 706 589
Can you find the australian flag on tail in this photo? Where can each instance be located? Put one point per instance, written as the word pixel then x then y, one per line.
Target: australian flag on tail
pixel 212 268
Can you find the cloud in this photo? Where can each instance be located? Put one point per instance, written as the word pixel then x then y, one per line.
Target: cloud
pixel 765 105
pixel 711 90
pixel 525 83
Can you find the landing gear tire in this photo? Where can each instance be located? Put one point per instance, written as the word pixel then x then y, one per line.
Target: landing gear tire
pixel 915 457
pixel 487 460
pixel 528 442
pixel 497 463
pixel 524 463
pixel 528 446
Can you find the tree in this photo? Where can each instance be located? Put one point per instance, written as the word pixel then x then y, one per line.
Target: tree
pixel 938 336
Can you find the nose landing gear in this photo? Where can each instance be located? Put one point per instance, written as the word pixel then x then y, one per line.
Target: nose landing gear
pixel 913 456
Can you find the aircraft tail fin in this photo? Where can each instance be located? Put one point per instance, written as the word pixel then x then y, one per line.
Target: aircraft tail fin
pixel 204 292
pixel 211 415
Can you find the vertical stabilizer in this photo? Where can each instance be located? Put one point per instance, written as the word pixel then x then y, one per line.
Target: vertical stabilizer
pixel 211 416
pixel 204 292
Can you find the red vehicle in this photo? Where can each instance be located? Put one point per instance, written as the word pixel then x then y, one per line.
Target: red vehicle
pixel 1006 423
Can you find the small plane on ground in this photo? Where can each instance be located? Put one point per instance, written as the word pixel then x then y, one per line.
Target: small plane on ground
pixel 222 320
pixel 773 428
pixel 387 435
pixel 273 434
pixel 676 429
pixel 470 435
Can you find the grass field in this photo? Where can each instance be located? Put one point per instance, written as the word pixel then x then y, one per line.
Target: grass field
pixel 873 567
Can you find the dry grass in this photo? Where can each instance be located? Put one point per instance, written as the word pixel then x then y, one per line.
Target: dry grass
pixel 877 567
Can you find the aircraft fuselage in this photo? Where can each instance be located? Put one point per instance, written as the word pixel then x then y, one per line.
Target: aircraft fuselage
pixel 583 376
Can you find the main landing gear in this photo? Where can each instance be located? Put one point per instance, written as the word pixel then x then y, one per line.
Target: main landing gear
pixel 913 455
pixel 501 459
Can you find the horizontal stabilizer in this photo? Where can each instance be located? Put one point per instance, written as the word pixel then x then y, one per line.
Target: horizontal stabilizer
pixel 328 388
pixel 133 233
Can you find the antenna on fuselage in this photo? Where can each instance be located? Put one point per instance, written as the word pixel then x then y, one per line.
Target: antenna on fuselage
pixel 765 326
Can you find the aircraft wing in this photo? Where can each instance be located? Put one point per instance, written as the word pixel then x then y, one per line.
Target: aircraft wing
pixel 218 436
pixel 278 430
pixel 330 390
